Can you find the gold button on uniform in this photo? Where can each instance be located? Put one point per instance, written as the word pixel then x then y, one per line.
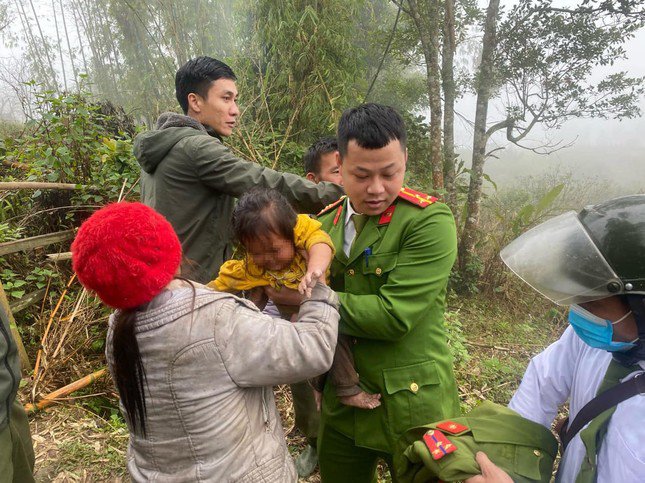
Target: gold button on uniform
pixel 537 452
pixel 378 271
pixel 350 272
pixel 414 387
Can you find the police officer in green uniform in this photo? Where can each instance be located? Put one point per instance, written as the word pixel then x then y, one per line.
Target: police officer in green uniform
pixel 395 248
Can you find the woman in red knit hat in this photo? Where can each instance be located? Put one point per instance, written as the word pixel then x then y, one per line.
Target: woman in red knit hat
pixel 195 368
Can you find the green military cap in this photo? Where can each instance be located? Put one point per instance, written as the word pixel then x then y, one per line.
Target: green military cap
pixel 445 450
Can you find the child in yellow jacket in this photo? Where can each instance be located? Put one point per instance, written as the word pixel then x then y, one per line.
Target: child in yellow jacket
pixel 281 248
pixel 284 249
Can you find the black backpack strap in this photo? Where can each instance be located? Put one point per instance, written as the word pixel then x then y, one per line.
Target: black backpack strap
pixel 603 401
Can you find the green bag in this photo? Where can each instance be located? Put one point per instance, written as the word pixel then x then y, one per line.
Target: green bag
pixel 524 449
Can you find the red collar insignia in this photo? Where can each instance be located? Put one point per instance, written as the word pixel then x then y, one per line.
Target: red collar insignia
pixel 386 216
pixel 452 427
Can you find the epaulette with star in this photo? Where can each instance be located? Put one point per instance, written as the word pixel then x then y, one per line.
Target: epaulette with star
pixel 417 197
pixel 331 206
pixel 438 445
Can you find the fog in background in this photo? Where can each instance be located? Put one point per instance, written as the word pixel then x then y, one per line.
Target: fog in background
pixel 608 149
pixel 604 149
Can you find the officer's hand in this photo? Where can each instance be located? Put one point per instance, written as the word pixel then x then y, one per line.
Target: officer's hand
pixel 490 472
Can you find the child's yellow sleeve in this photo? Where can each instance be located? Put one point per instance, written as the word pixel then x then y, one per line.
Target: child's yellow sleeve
pixel 234 276
pixel 308 232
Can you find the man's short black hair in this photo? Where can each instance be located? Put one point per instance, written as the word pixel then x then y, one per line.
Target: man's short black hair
pixel 372 126
pixel 315 152
pixel 196 76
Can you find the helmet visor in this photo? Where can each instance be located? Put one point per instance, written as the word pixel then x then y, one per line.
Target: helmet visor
pixel 559 259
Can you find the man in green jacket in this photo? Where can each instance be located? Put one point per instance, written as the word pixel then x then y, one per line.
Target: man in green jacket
pixel 395 248
pixel 191 178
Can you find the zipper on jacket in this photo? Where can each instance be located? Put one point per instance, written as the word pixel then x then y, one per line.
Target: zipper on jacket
pixel 265 411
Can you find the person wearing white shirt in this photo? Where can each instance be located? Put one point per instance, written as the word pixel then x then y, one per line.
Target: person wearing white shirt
pixel 594 262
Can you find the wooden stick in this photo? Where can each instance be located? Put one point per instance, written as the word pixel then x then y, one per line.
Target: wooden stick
pixel 24 358
pixel 16 164
pixel 487 346
pixel 52 397
pixel 27 300
pixel 39 185
pixel 51 319
pixel 59 257
pixel 35 242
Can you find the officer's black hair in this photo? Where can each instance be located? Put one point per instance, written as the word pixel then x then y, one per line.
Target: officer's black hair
pixel 197 75
pixel 315 152
pixel 262 211
pixel 372 126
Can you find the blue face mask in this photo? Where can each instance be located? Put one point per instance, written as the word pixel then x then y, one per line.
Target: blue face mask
pixel 595 331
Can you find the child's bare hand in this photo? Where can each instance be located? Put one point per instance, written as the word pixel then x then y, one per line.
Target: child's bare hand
pixel 309 281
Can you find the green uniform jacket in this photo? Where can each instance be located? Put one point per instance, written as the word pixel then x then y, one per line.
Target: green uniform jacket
pixel 392 305
pixel 192 179
pixel 524 449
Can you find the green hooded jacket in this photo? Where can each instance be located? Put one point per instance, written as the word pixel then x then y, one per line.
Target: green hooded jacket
pixel 191 178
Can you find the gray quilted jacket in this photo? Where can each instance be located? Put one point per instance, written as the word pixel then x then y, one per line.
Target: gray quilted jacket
pixel 211 410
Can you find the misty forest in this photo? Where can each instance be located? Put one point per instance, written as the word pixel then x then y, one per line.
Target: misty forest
pixel 516 111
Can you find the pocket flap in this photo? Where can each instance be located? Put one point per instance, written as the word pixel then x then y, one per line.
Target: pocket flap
pixel 410 377
pixel 513 430
pixel 380 263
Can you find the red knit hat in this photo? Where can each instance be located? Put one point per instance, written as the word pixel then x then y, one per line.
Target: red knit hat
pixel 126 253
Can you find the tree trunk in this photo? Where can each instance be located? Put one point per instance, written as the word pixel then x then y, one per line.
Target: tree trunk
pixel 449 95
pixel 428 27
pixel 485 82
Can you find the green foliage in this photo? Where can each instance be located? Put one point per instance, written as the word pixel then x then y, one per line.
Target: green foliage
pixel 547 55
pixel 528 214
pixel 307 64
pixel 9 233
pixel 16 285
pixel 70 141
pixel 456 339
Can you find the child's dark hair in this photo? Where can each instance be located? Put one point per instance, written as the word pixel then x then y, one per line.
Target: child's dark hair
pixel 196 76
pixel 261 211
pixel 372 126
pixel 316 150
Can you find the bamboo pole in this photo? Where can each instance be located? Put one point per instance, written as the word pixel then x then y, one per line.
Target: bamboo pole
pixel 24 358
pixel 38 185
pixel 52 397
pixel 44 338
pixel 35 242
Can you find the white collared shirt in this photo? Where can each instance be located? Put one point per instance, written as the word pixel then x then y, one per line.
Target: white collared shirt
pixel 570 369
pixel 350 228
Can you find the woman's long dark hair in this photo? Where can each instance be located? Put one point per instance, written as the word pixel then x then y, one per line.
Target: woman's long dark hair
pixel 129 373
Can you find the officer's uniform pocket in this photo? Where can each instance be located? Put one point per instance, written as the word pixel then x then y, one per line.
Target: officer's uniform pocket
pixel 411 394
pixel 512 445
